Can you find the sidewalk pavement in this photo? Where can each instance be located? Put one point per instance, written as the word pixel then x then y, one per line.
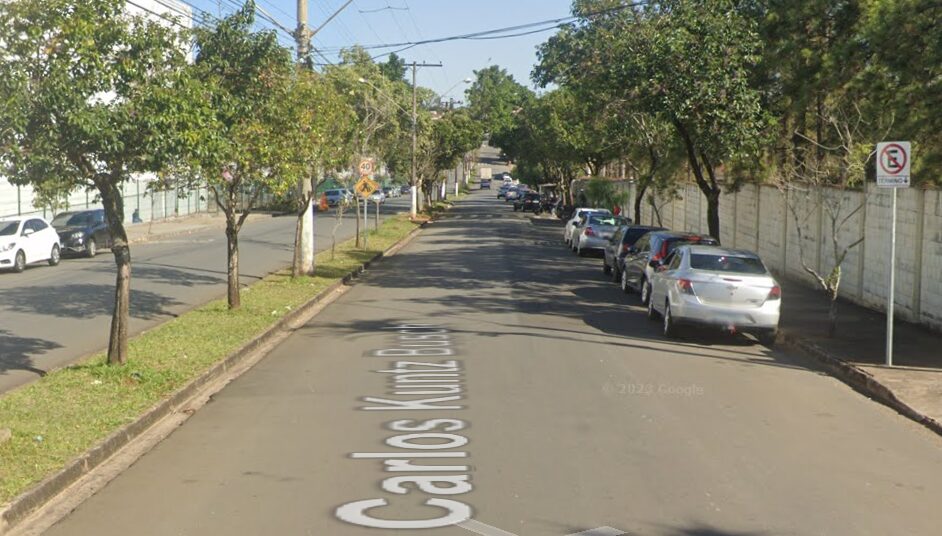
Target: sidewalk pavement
pixel 183 225
pixel 913 386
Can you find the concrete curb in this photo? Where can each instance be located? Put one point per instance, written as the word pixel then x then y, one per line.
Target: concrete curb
pixel 859 379
pixel 24 505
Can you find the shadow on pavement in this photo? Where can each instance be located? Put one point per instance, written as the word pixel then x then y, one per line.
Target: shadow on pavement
pixel 16 353
pixel 82 301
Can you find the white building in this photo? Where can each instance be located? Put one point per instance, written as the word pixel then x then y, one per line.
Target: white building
pixel 19 200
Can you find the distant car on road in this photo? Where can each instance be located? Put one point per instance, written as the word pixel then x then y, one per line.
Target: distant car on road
pixel 485 184
pixel 528 202
pixel 405 189
pixel 83 232
pixel 722 288
pixel 649 253
pixel 378 197
pixel 26 241
pixel 338 196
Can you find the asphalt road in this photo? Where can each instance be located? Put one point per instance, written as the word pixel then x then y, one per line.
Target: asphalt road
pixel 52 316
pixel 547 405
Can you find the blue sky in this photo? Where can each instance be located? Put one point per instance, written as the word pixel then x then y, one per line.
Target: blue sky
pixel 423 19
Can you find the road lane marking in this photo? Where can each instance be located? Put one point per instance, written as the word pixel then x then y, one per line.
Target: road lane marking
pixel 601 531
pixel 484 529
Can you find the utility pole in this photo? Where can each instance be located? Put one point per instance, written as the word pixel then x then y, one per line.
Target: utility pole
pixel 415 185
pixel 305 187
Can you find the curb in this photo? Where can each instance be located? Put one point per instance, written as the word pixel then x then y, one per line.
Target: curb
pixel 859 380
pixel 30 501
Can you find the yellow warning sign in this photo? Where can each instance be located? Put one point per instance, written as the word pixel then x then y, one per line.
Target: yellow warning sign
pixel 365 187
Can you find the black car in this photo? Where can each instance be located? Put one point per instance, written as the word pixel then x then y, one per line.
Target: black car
pixel 83 232
pixel 649 253
pixel 619 246
pixel 528 201
pixel 405 189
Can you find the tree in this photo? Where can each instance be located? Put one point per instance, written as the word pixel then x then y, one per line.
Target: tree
pixel 603 193
pixel 248 76
pixel 493 100
pixel 394 68
pixel 91 96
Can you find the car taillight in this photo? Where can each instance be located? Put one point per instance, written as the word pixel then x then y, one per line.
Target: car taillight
pixel 589 231
pixel 775 293
pixel 685 286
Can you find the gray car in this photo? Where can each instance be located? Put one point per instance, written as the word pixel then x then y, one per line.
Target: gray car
pixel 595 233
pixel 728 289
pixel 578 218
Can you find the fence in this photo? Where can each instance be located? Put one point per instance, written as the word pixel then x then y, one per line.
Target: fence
pixel 148 205
pixel 758 218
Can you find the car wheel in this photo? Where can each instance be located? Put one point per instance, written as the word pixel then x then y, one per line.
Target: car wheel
pixel 652 312
pixel 625 287
pixel 645 292
pixel 54 255
pixel 670 327
pixel 580 252
pixel 767 338
pixel 606 269
pixel 616 274
pixel 19 262
pixel 91 248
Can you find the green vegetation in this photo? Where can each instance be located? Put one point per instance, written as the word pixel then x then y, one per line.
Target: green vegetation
pixel 66 412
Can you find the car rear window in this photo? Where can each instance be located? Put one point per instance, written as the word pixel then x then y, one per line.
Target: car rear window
pixel 727 263
pixel 605 219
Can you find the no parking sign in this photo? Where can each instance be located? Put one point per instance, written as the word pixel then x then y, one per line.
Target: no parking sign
pixel 893 164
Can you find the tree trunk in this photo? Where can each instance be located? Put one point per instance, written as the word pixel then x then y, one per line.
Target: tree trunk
pixel 832 312
pixel 713 213
pixel 232 243
pixel 356 200
pixel 710 189
pixel 113 204
pixel 639 197
pixel 296 264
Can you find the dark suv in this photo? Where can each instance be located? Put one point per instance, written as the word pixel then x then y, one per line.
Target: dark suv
pixel 619 246
pixel 83 232
pixel 649 253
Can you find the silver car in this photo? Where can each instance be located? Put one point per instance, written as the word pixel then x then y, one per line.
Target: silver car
pixel 729 289
pixel 598 229
pixel 577 219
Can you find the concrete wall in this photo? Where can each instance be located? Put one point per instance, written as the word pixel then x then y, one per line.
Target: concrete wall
pixel 757 218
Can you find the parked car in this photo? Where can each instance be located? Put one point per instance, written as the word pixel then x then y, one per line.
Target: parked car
pixel 563 210
pixel 502 191
pixel 578 217
pixel 83 232
pixel 338 196
pixel 512 193
pixel 649 253
pixel 485 184
pixel 618 246
pixel 389 191
pixel 529 201
pixel 717 287
pixel 405 189
pixel 598 229
pixel 378 197
pixel 26 241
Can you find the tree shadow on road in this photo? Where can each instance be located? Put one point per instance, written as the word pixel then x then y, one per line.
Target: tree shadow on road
pixel 17 353
pixel 169 275
pixel 82 300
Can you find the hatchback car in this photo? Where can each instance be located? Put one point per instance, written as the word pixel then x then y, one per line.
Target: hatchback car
pixel 649 253
pixel 617 248
pixel 25 241
pixel 83 232
pixel 598 229
pixel 338 196
pixel 723 288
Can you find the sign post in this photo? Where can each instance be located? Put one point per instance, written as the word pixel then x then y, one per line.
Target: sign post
pixel 893 167
pixel 364 188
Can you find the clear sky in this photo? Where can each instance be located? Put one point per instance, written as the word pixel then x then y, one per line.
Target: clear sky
pixel 413 20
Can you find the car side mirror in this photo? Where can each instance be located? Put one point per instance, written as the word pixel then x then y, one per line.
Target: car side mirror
pixel 662 268
pixel 27 232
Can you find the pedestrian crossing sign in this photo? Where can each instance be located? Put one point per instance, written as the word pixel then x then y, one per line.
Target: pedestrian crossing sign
pixel 366 186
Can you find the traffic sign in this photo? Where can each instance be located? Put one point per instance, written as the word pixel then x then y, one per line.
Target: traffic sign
pixel 366 167
pixel 893 164
pixel 365 187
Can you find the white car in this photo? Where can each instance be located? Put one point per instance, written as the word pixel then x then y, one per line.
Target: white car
pixel 578 216
pixel 729 289
pixel 378 197
pixel 25 241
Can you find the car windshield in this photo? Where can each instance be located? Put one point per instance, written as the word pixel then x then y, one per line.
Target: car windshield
pixel 8 228
pixel 70 219
pixel 727 263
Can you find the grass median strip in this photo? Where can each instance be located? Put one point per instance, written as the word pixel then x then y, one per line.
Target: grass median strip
pixel 68 411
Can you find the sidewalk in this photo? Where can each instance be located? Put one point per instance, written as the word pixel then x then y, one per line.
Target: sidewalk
pixel 856 354
pixel 145 232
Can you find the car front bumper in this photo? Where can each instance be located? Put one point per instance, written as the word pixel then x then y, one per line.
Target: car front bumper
pixel 72 245
pixel 7 257
pixel 690 310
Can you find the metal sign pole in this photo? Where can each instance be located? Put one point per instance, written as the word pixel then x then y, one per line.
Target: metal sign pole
pixel 366 210
pixel 890 300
